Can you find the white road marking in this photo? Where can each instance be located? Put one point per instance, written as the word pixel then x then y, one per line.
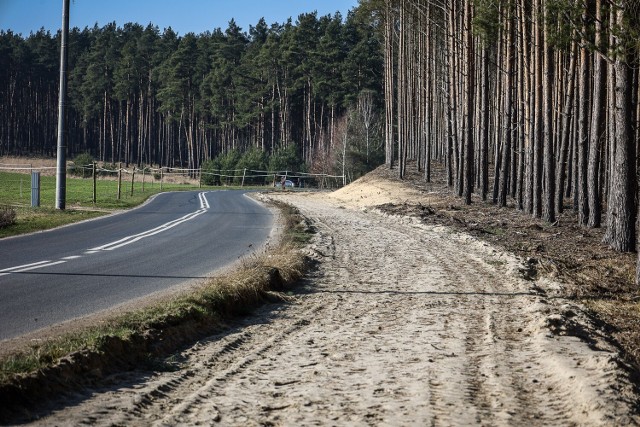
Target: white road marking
pixel 164 227
pixel 204 205
pixel 35 267
pixel 23 266
pixel 29 267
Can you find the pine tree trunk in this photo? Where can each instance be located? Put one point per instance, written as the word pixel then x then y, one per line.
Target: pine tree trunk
pixel 429 95
pixel 527 107
pixel 505 167
pixel 565 133
pixel 583 149
pixel 484 125
pixel 388 84
pixel 470 83
pixel 549 208
pixel 400 93
pixel 621 214
pixel 596 131
pixel 537 114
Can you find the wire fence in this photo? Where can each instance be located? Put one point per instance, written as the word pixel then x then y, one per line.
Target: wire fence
pixel 112 185
pixel 109 188
pixel 266 177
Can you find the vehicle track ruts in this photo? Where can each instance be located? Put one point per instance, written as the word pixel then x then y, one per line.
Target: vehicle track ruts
pixel 401 324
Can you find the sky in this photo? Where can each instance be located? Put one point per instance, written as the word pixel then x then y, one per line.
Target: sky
pixel 183 16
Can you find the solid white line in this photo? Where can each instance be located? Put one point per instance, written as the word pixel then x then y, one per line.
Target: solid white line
pixel 140 237
pixel 204 203
pixel 10 269
pixel 35 267
pixel 127 240
pixel 164 227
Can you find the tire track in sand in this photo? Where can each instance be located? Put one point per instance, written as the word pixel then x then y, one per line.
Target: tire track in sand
pixel 402 324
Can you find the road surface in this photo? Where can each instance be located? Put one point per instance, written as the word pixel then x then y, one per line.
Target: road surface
pixel 54 276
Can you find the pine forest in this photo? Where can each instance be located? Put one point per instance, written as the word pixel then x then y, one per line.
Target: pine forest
pixel 526 102
pixel 144 97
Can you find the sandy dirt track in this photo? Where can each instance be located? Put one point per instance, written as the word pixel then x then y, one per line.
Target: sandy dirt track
pixel 401 324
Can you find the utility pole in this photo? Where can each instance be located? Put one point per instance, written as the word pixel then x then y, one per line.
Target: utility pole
pixel 61 170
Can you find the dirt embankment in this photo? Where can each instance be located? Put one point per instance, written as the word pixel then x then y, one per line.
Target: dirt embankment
pixel 402 323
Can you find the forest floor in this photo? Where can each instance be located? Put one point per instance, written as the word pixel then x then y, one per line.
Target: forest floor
pixel 417 313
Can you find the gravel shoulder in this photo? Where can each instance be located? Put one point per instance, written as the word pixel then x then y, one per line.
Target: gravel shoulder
pixel 401 323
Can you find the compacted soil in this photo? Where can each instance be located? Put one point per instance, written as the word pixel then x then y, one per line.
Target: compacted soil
pixel 399 323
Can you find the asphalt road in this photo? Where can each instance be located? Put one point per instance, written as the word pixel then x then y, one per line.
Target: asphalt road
pixel 54 276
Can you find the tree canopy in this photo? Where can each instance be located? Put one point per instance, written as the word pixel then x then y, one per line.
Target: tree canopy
pixel 142 96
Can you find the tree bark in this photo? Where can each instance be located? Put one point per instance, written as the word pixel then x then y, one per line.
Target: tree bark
pixel 484 125
pixel 565 133
pixel 582 144
pixel 596 130
pixel 537 114
pixel 507 142
pixel 549 208
pixel 621 234
pixel 470 83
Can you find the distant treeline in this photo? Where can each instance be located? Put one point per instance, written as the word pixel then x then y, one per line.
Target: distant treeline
pixel 141 96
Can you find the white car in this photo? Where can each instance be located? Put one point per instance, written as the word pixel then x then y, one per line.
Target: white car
pixel 287 183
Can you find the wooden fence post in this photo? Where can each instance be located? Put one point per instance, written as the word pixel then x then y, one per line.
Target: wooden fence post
pixel 119 180
pixel 93 171
pixel 133 178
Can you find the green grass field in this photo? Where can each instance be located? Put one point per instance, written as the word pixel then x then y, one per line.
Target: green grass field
pixel 15 191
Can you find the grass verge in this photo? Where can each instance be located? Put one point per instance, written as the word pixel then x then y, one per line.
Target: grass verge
pixel 29 220
pixel 135 338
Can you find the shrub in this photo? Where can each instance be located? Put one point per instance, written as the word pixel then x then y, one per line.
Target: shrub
pixel 253 159
pixel 80 164
pixel 211 172
pixel 7 216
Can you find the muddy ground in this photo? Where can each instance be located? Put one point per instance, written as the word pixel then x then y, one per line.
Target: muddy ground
pixel 409 318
